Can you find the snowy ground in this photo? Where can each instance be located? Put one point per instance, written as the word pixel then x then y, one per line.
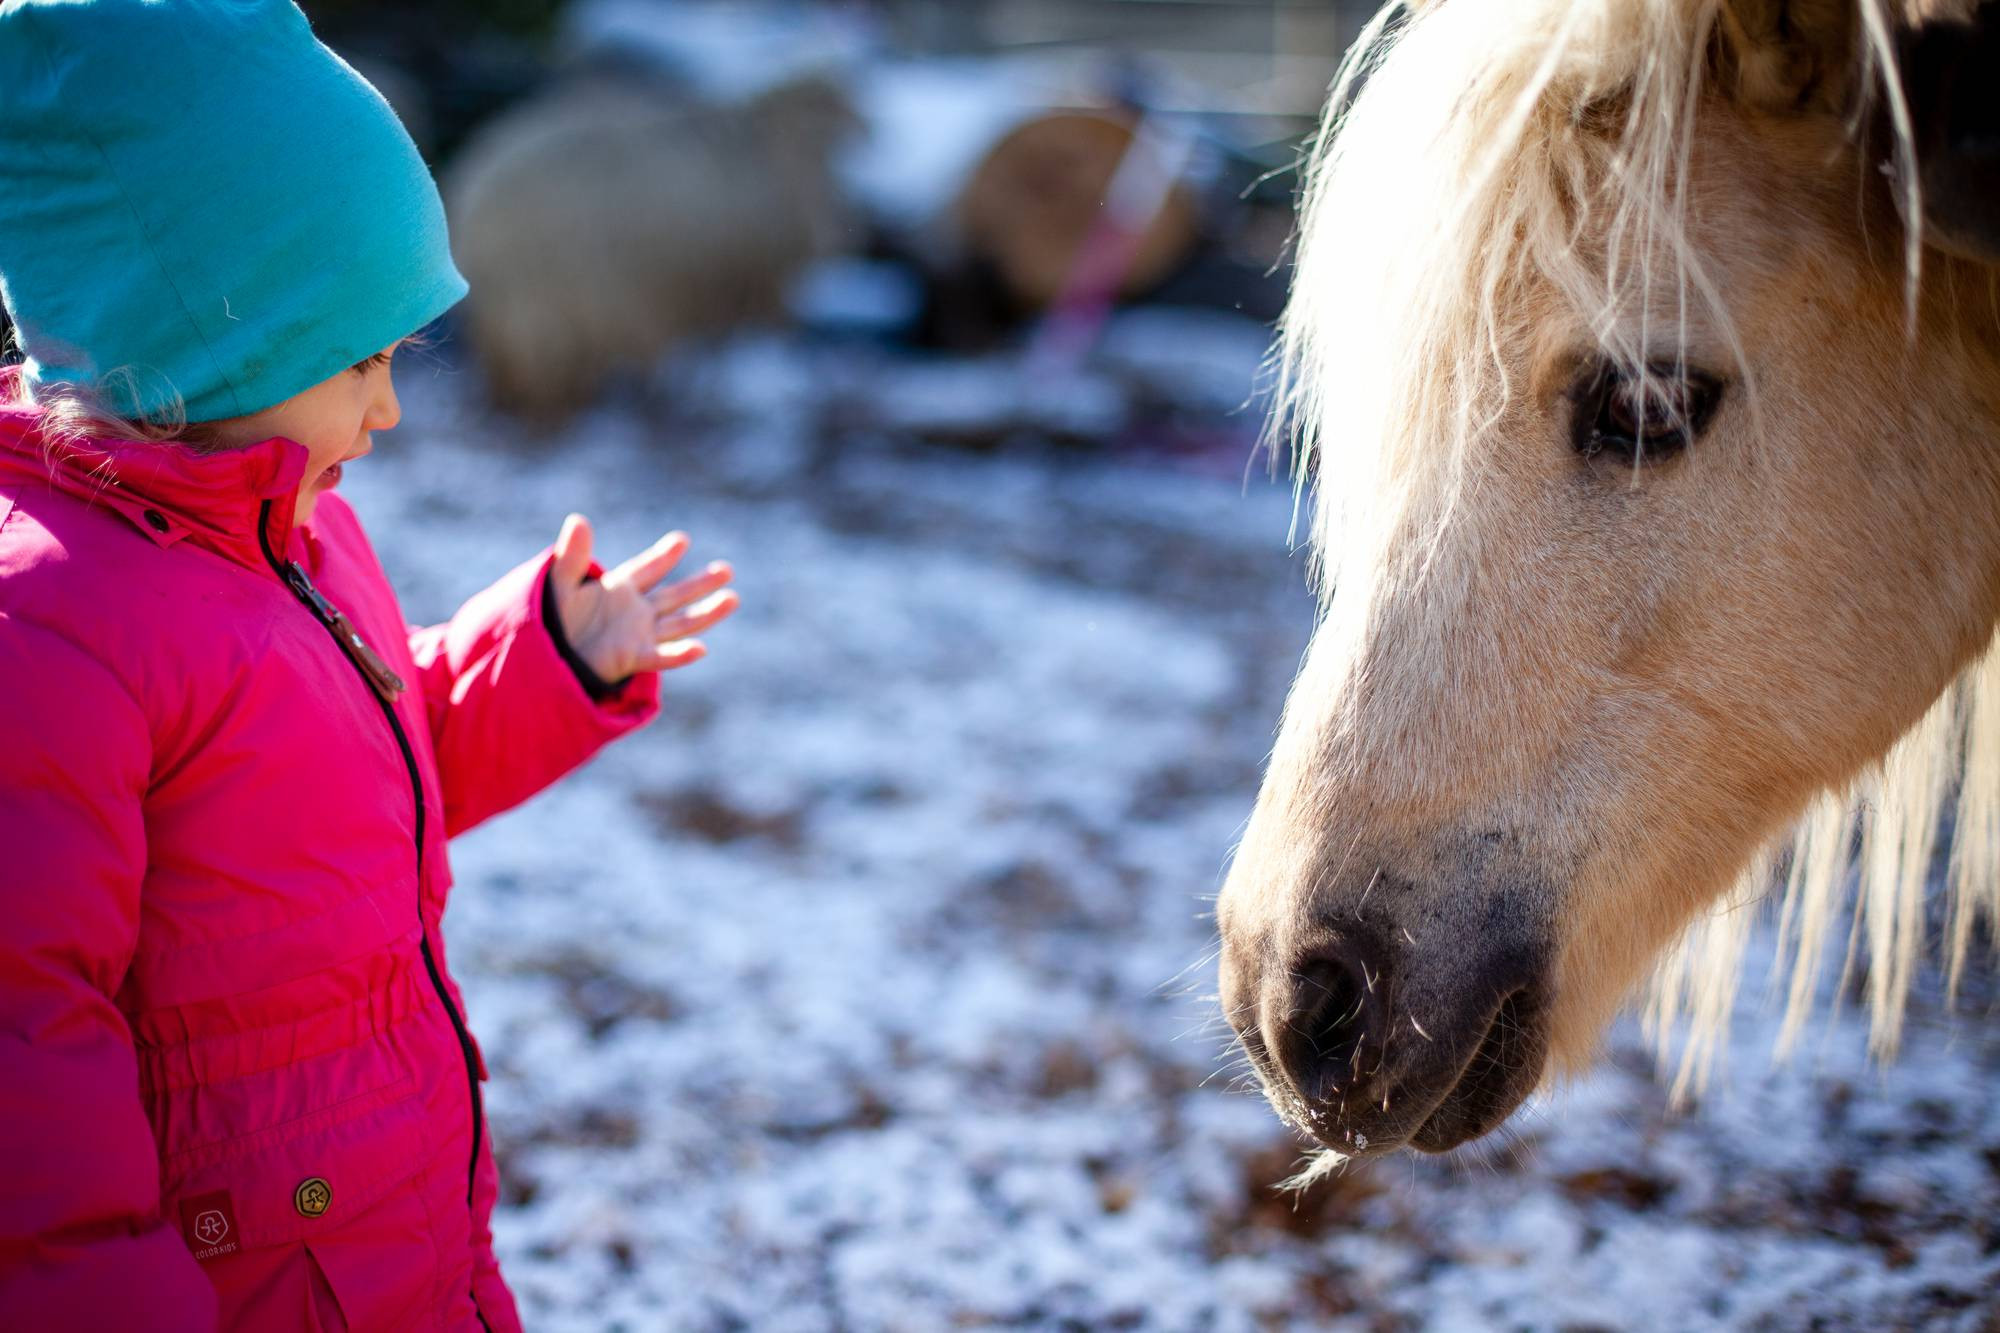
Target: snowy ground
pixel 866 991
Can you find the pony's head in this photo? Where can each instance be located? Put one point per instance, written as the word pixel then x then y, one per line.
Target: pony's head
pixel 1656 450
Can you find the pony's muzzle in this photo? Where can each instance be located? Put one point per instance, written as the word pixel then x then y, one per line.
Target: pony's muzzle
pixel 1369 1047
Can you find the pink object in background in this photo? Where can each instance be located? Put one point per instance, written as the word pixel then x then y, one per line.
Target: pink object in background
pixel 1147 173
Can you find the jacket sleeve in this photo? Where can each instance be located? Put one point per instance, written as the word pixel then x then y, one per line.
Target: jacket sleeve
pixel 507 716
pixel 82 1242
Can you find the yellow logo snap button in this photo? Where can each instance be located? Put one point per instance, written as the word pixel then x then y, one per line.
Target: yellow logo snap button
pixel 312 1197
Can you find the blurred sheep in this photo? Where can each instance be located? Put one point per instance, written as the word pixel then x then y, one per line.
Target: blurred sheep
pixel 605 220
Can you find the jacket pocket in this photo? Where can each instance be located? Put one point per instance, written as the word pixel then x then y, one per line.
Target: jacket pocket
pixel 328 1218
pixel 294 1179
pixel 323 1312
pixel 377 1269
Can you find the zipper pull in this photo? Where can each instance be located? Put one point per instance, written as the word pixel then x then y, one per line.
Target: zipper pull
pixel 379 673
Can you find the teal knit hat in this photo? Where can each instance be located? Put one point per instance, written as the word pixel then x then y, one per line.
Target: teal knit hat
pixel 199 199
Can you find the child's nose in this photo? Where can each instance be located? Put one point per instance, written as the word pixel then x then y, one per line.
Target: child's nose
pixel 387 410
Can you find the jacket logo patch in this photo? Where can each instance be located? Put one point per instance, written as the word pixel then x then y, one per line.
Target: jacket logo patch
pixel 312 1197
pixel 208 1221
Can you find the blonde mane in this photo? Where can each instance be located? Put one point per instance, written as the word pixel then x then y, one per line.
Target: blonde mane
pixel 1467 144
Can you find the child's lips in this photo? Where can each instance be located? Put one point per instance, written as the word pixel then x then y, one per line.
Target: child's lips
pixel 331 477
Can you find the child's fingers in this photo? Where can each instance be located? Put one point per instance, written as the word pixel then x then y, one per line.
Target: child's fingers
pixel 677 595
pixel 703 614
pixel 648 567
pixel 572 562
pixel 670 655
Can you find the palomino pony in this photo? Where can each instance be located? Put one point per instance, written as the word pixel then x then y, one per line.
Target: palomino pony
pixel 1646 358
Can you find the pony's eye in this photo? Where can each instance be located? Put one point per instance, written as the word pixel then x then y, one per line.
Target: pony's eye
pixel 1642 414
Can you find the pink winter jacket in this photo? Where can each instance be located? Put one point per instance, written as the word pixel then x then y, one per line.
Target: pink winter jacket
pixel 236 1085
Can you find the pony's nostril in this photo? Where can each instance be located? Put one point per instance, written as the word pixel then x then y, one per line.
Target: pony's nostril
pixel 1324 1042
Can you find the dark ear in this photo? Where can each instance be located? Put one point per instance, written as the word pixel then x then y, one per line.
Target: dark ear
pixel 1951 77
pixel 1788 55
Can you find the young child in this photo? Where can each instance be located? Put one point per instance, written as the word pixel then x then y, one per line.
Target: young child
pixel 237 1088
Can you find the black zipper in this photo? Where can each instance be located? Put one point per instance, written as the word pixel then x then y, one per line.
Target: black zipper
pixel 343 634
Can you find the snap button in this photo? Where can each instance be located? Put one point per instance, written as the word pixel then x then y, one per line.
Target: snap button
pixel 156 520
pixel 312 1197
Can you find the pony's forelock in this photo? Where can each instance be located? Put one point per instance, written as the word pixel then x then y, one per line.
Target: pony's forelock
pixel 1468 144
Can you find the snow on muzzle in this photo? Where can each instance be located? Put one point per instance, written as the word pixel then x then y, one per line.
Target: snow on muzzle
pixel 1411 1019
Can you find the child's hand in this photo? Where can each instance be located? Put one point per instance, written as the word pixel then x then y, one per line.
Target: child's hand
pixel 627 622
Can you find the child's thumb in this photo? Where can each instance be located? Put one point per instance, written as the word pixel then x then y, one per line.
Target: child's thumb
pixel 572 551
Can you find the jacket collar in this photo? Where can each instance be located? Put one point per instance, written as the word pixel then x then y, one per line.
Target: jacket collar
pixel 168 492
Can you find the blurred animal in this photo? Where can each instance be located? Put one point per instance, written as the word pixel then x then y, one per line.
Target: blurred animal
pixel 1647 354
pixel 601 222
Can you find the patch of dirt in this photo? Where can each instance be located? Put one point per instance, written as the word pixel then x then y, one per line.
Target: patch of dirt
pixel 1329 1204
pixel 598 994
pixel 1635 1191
pixel 702 814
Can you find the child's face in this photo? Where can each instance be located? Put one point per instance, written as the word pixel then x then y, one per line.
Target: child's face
pixel 334 420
